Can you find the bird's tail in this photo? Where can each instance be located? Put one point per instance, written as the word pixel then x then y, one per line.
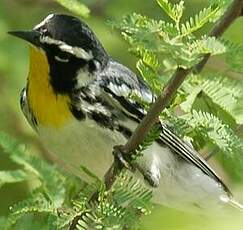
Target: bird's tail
pixel 229 199
pixel 234 203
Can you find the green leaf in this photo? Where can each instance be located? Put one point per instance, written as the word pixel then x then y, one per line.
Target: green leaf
pixel 174 11
pixel 210 128
pixel 222 91
pixel 36 203
pixel 209 45
pixel 75 6
pixel 151 136
pixel 17 152
pixel 149 76
pixel 192 52
pixel 129 191
pixel 234 56
pixel 52 181
pixel 14 176
pixel 209 14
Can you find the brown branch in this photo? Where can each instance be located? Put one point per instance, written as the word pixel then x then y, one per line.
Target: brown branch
pixel 233 12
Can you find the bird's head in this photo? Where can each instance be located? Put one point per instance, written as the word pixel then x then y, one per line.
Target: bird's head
pixel 62 46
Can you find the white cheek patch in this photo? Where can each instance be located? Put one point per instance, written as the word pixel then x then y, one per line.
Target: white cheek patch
pixel 74 50
pixel 84 77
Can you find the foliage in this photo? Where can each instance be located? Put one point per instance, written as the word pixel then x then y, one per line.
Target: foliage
pixel 206 111
pixel 75 6
pixel 52 200
pixel 209 104
pixel 174 40
pixel 234 56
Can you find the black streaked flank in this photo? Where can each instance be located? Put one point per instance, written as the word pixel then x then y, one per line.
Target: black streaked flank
pixel 77 113
pixel 133 108
pixel 85 94
pixel 102 119
pixel 124 130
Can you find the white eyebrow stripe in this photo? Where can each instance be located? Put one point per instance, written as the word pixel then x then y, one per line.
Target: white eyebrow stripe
pixel 74 50
pixel 42 23
pixel 77 51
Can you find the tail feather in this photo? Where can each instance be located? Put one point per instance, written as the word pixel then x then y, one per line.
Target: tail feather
pixel 235 204
pixel 232 202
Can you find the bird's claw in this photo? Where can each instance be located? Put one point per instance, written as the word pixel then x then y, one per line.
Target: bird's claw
pixel 126 161
pixel 123 158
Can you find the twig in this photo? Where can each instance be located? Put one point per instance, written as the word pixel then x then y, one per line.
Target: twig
pixel 233 12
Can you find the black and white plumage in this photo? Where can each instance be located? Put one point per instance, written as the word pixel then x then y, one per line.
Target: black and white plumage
pixel 98 89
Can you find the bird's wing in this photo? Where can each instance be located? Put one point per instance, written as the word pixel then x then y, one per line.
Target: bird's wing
pixel 119 82
pixel 188 153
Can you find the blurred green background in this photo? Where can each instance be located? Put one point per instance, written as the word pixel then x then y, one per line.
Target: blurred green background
pixel 23 14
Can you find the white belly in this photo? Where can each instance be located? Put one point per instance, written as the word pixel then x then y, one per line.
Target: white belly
pixel 181 184
pixel 82 143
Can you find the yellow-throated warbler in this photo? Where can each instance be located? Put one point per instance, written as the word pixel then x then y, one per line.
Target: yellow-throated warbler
pixel 76 98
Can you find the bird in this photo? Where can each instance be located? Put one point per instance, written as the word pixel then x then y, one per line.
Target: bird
pixel 77 99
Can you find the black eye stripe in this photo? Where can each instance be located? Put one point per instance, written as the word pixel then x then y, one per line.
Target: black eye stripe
pixel 64 55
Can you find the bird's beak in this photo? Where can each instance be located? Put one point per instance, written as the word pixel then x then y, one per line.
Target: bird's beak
pixel 30 36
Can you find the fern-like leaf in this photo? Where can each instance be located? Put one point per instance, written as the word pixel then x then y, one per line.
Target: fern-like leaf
pixel 14 176
pixel 75 6
pixel 37 203
pixel 221 90
pixel 209 14
pixel 234 56
pixel 129 191
pixel 174 11
pixel 212 129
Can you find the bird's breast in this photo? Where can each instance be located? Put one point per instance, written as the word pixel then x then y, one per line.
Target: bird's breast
pixel 49 109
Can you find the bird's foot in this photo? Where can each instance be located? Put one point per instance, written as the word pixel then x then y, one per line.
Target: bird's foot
pixel 127 161
pixel 122 158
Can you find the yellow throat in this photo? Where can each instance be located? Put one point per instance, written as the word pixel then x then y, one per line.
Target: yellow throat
pixel 49 109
